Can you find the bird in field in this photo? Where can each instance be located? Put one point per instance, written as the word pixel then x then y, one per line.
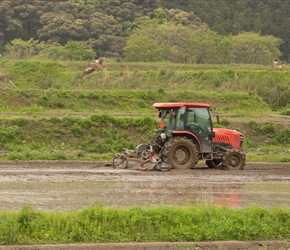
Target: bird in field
pixel 96 65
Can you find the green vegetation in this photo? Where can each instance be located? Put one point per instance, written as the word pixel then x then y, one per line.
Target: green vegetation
pixel 164 223
pixel 175 43
pixel 215 82
pixel 96 137
pixel 175 31
pixel 54 115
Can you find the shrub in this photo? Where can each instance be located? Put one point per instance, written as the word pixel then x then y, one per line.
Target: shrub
pixel 8 135
pixel 77 130
pixel 268 129
pixel 54 119
pixel 283 138
pixel 19 121
pixel 224 122
pixel 286 112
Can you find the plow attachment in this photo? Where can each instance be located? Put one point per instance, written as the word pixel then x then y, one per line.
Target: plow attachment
pixel 142 158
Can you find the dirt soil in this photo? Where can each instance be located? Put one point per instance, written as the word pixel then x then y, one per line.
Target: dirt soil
pixel 70 185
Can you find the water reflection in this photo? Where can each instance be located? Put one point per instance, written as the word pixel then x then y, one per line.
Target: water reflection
pixel 183 193
pixel 79 195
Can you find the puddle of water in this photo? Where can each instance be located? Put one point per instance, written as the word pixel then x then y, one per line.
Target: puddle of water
pixel 267 194
pixel 65 196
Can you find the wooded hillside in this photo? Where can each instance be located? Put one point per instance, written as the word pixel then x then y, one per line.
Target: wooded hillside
pixel 106 26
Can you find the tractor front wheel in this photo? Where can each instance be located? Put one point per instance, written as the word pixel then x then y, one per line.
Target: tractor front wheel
pixel 233 160
pixel 180 152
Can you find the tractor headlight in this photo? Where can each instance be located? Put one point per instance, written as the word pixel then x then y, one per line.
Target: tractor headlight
pixel 163 137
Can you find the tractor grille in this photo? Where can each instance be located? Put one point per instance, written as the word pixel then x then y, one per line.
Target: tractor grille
pixel 222 138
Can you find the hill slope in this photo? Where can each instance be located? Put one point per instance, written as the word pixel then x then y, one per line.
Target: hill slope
pixel 54 115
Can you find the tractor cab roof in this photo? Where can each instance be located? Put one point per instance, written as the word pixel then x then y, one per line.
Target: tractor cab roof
pixel 169 105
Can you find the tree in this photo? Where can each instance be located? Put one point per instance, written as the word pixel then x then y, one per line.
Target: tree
pixel 143 49
pixel 178 44
pixel 160 15
pixel 76 51
pixel 249 47
pixel 61 28
pixel 105 35
pixel 23 49
pixel 102 24
pixel 184 18
pixel 111 46
pixel 228 17
pixel 25 14
pixel 6 14
pixel 212 48
pixel 168 37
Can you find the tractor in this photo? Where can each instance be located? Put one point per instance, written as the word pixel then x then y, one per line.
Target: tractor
pixel 186 135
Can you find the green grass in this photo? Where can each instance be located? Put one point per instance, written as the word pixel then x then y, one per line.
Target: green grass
pixel 272 86
pixel 50 115
pixel 162 223
pixel 129 101
pixel 101 136
pixel 72 137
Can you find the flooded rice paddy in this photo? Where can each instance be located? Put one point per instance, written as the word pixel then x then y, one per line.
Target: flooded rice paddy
pixel 67 186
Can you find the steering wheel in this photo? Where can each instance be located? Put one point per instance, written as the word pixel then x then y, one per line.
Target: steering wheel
pixel 193 125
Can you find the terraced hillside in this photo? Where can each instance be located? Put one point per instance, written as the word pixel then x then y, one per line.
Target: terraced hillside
pixel 54 115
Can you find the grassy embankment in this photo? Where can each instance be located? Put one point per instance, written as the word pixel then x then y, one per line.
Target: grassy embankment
pixel 55 115
pixel 169 223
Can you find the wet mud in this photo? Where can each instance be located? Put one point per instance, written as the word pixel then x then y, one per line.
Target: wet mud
pixel 68 186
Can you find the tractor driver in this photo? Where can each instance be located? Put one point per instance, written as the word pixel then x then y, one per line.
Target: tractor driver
pixel 180 122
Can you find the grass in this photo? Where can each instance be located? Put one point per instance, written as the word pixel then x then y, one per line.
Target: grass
pixel 54 115
pixel 129 101
pixel 272 86
pixel 135 224
pixel 268 154
pixel 99 137
pixel 72 137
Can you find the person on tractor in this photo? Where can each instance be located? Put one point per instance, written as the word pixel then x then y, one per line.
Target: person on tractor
pixel 180 122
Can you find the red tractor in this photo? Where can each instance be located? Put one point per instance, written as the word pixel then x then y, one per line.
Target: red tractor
pixel 186 135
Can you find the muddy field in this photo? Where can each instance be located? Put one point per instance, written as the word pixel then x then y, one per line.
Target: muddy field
pixel 66 186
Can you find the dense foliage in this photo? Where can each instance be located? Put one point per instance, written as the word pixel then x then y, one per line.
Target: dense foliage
pixel 267 17
pixel 182 44
pixel 158 30
pixel 99 24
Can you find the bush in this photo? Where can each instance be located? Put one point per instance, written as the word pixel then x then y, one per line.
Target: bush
pixel 77 130
pixel 286 112
pixel 268 129
pixel 283 138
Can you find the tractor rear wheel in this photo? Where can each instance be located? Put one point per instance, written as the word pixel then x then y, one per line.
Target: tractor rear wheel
pixel 180 152
pixel 233 160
